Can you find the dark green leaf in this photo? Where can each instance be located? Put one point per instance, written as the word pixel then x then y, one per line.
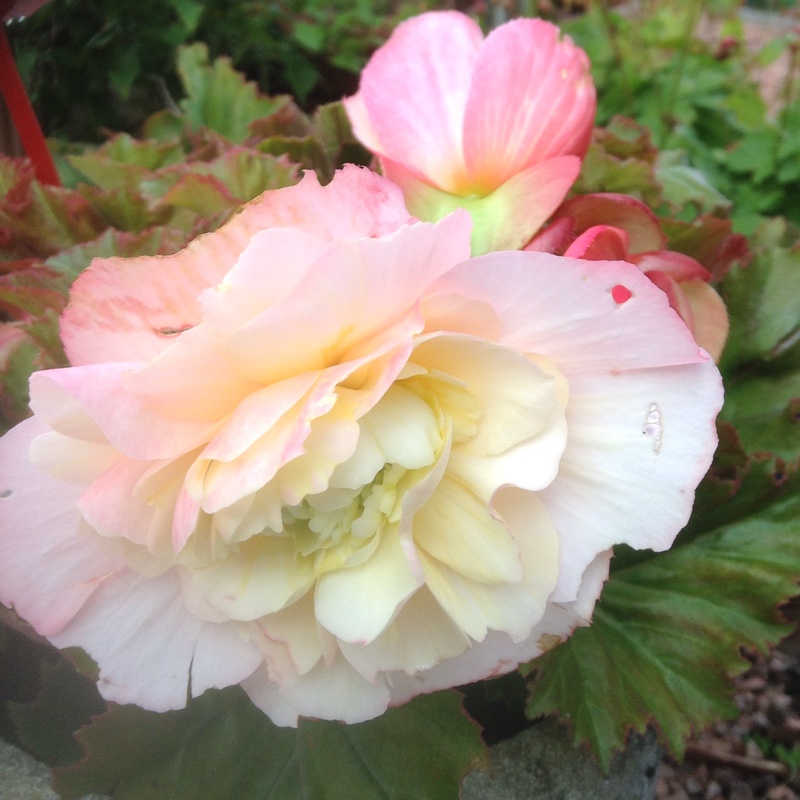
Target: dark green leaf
pixel 667 634
pixel 221 746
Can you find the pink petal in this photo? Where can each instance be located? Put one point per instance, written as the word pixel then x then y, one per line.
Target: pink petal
pixel 600 243
pixel 709 317
pixel 564 309
pixel 415 89
pixel 618 210
pixel 49 563
pixel 678 266
pixel 96 392
pixel 531 99
pixel 150 649
pixel 555 238
pixel 126 309
pixel 355 292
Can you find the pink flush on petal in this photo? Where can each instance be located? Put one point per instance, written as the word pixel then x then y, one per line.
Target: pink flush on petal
pixel 453 116
pixel 597 227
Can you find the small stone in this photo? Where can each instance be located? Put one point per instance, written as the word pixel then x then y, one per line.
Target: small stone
pixel 713 791
pixel 781 793
pixel 741 791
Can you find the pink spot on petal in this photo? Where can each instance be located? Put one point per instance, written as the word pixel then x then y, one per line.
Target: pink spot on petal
pixel 621 294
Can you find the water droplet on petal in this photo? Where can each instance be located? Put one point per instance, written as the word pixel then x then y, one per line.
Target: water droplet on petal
pixel 621 294
pixel 652 427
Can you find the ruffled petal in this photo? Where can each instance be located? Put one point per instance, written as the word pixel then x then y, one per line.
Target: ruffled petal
pixel 645 433
pixel 50 563
pixel 357 603
pixel 150 649
pixel 567 311
pixel 498 653
pixel 329 691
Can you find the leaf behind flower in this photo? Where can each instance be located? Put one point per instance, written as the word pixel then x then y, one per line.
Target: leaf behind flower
pixel 222 746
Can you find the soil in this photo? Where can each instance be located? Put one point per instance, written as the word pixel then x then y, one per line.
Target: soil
pixel 754 757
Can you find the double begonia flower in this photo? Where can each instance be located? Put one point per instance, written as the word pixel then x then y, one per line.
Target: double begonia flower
pixel 497 125
pixel 324 454
pixel 603 227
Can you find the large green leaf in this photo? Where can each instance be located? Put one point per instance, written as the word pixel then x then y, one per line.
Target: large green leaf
pixel 221 746
pixel 667 634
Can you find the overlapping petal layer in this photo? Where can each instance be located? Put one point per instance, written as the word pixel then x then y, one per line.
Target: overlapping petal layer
pixel 496 125
pixel 371 467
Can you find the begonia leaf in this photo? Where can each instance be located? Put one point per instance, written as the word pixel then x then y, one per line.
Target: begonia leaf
pixel 762 304
pixel 709 240
pixel 163 240
pixel 66 701
pixel 37 220
pixel 766 412
pixel 667 633
pixel 218 96
pixel 222 746
pixel 124 208
pixel 621 159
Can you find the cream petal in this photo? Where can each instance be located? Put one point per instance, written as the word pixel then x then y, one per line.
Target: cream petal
pixel 357 603
pixel 329 691
pixel 296 627
pixel 511 607
pixel 498 653
pixel 419 637
pixel 516 397
pixel 263 576
pixel 457 528
pixel 404 428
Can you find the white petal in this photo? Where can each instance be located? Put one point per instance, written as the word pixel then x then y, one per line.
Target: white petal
pixel 150 649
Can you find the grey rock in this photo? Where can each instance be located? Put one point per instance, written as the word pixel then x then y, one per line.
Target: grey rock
pixel 541 764
pixel 24 778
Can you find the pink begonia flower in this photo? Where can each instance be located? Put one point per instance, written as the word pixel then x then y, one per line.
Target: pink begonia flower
pixel 497 125
pixel 615 226
pixel 324 454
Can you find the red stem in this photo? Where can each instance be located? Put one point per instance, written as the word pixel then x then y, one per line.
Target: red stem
pixel 23 116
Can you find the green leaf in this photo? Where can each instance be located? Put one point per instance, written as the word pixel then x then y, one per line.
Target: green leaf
pixel 684 185
pixel 221 746
pixel 66 701
pixel 667 634
pixel 156 241
pixel 761 298
pixel 218 96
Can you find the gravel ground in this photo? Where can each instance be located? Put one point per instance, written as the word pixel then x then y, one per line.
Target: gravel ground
pixel 747 758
